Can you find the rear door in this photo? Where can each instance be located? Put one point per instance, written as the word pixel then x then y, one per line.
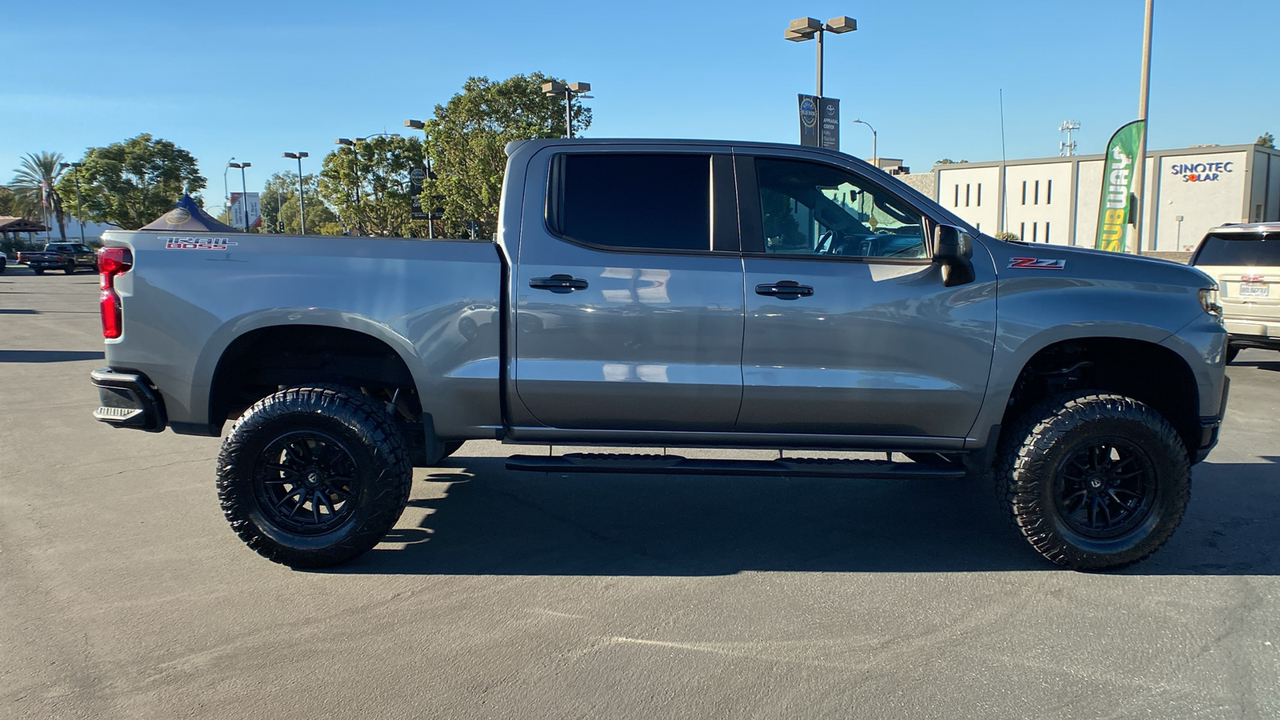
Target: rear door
pixel 849 329
pixel 628 291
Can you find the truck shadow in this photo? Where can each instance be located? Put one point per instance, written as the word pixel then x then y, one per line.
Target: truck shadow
pixel 49 356
pixel 487 520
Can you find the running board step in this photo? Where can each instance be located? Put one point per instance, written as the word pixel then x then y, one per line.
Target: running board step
pixel 679 465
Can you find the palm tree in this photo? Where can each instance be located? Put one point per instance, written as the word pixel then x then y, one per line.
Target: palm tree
pixel 33 186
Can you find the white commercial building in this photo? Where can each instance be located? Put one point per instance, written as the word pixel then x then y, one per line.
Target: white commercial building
pixel 1055 200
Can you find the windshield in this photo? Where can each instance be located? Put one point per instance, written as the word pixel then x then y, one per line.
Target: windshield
pixel 1239 249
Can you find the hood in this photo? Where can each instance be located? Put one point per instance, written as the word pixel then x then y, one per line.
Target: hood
pixel 1082 262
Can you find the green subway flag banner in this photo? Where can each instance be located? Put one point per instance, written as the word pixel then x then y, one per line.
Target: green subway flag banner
pixel 1115 211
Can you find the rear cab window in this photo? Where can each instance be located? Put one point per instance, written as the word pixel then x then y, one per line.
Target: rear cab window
pixel 641 201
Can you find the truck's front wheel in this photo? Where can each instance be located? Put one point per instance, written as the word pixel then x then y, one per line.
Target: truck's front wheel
pixel 313 476
pixel 1094 482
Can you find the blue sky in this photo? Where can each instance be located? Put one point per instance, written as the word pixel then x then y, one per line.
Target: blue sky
pixel 251 80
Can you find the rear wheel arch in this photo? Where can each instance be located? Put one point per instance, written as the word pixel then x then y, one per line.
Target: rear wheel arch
pixel 256 363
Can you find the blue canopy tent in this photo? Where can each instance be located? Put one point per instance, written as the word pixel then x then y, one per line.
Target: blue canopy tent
pixel 188 216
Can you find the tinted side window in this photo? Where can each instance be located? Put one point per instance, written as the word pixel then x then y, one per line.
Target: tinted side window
pixel 641 201
pixel 1239 249
pixel 812 209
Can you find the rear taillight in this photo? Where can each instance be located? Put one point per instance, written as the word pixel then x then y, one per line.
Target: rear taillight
pixel 112 261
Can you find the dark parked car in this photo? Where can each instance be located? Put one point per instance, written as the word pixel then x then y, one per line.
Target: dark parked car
pixel 67 257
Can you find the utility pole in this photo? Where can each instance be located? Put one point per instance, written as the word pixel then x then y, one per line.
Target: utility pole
pixel 1144 95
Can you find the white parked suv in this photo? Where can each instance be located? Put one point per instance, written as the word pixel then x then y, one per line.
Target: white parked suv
pixel 1245 261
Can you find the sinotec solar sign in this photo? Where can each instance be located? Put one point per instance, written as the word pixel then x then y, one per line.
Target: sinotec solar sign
pixel 1200 172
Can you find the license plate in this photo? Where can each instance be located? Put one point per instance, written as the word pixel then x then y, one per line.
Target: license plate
pixel 1254 290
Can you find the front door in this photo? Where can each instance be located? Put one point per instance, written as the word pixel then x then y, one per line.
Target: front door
pixel 849 329
pixel 627 315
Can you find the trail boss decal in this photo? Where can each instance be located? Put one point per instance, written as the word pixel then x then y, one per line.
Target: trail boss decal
pixel 198 243
pixel 1037 264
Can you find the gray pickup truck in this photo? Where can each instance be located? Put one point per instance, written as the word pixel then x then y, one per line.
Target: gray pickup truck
pixel 670 294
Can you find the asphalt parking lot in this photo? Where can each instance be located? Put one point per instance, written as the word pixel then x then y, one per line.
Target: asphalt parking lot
pixel 123 594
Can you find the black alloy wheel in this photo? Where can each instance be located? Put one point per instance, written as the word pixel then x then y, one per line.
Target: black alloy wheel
pixel 1106 488
pixel 305 482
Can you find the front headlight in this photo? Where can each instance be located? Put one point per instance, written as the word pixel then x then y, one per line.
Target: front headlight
pixel 1210 302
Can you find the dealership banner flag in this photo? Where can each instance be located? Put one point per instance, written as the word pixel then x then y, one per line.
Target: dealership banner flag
pixel 1115 211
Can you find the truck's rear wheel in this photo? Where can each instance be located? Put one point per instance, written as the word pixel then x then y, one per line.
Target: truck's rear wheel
pixel 313 476
pixel 1094 482
pixel 38 271
pixel 69 268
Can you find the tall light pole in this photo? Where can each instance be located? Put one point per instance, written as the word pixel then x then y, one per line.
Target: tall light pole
pixel 226 195
pixel 807 28
pixel 244 191
pixel 570 91
pixel 426 151
pixel 302 207
pixel 1144 94
pixel 875 158
pixel 75 173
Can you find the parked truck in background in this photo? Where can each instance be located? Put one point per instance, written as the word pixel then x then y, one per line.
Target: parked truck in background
pixel 65 256
pixel 668 294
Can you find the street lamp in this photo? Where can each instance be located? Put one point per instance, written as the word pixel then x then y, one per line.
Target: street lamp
pixel 419 125
pixel 75 173
pixel 302 206
pixel 244 191
pixel 807 28
pixel 875 159
pixel 226 196
pixel 570 91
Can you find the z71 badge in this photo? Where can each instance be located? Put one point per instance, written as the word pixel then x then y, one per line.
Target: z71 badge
pixel 1037 264
pixel 198 243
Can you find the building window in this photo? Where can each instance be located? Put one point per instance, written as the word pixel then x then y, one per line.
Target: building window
pixel 957 202
pixel 1022 229
pixel 966 194
pixel 1037 197
pixel 979 203
pixel 979 227
pixel 1046 228
pixel 1035 232
pixel 1024 192
pixel 1048 192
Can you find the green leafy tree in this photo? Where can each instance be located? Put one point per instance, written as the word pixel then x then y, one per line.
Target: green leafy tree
pixel 949 161
pixel 468 137
pixel 34 186
pixel 1266 140
pixel 131 183
pixel 368 185
pixel 279 203
pixel 8 203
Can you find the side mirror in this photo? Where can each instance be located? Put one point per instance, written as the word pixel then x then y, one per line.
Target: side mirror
pixel 952 249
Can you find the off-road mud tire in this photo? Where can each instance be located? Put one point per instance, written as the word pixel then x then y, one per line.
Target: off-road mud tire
pixel 356 432
pixel 1033 476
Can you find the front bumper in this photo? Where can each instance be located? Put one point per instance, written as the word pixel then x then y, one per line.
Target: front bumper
pixel 128 400
pixel 1209 426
